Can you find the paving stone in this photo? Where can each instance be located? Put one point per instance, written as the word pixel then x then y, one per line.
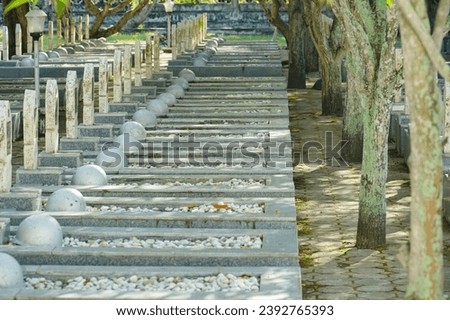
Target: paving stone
pixel 376 288
pixel 334 281
pixel 337 296
pixel 376 296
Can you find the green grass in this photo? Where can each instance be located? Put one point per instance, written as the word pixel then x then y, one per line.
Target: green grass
pixel 129 37
pixel 135 36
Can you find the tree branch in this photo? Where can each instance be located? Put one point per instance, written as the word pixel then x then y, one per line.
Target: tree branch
pixel 119 7
pixel 426 40
pixel 440 20
pixel 91 7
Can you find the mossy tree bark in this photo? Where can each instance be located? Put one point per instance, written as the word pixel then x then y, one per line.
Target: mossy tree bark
pixel 326 35
pixel 352 121
pixel 370 28
pixel 110 8
pixel 425 162
pixel 293 31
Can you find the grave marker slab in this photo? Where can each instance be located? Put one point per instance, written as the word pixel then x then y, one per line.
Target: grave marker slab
pixel 5 147
pixel 30 130
pixel 51 117
pixel 88 94
pixel 71 105
pixel 103 85
pixel 117 70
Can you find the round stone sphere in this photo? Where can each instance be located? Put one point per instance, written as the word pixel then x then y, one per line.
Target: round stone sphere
pixel 145 117
pixel 89 175
pixel 11 275
pixel 158 107
pixel 62 51
pixel 188 74
pixel 127 143
pixel 211 50
pixel 182 82
pixel 27 62
pixel 168 98
pixel 212 43
pixel 134 128
pixel 98 43
pixel 113 158
pixel 219 39
pixel 66 199
pixel 40 230
pixel 70 50
pixel 79 48
pixel 86 43
pixel 199 62
pixel 176 90
pixel 43 56
pixel 53 55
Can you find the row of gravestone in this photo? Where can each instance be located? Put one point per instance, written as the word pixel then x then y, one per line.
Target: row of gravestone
pixel 241 123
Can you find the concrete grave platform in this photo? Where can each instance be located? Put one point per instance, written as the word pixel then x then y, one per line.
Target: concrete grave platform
pixel 236 111
pixel 279 248
pixel 111 118
pixel 60 159
pixel 25 200
pixel 39 176
pixel 245 103
pixel 184 186
pixel 275 283
pixel 248 95
pixel 278 213
pixel 239 70
pixel 224 123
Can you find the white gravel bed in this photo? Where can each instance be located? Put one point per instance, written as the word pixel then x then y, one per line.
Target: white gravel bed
pixel 228 208
pixel 238 242
pixel 220 282
pixel 231 184
pixel 167 164
pixel 221 135
pixel 188 164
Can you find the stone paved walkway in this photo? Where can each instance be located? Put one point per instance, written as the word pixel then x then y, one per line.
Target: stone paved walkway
pixel 327 206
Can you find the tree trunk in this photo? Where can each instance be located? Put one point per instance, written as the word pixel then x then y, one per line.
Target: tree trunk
pixel 425 163
pixel 352 120
pixel 311 55
pixel 332 103
pixel 371 232
pixel 16 16
pixel 296 75
pixel 140 18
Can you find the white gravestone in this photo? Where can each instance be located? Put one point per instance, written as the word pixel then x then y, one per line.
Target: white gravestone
pixel 137 64
pixel 156 54
pixel 149 57
pixel 88 94
pixel 18 40
pixel 117 70
pixel 71 105
pixel 51 116
pixel 5 43
pixel 86 27
pixel 127 70
pixel 103 85
pixel 30 130
pixel 5 147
